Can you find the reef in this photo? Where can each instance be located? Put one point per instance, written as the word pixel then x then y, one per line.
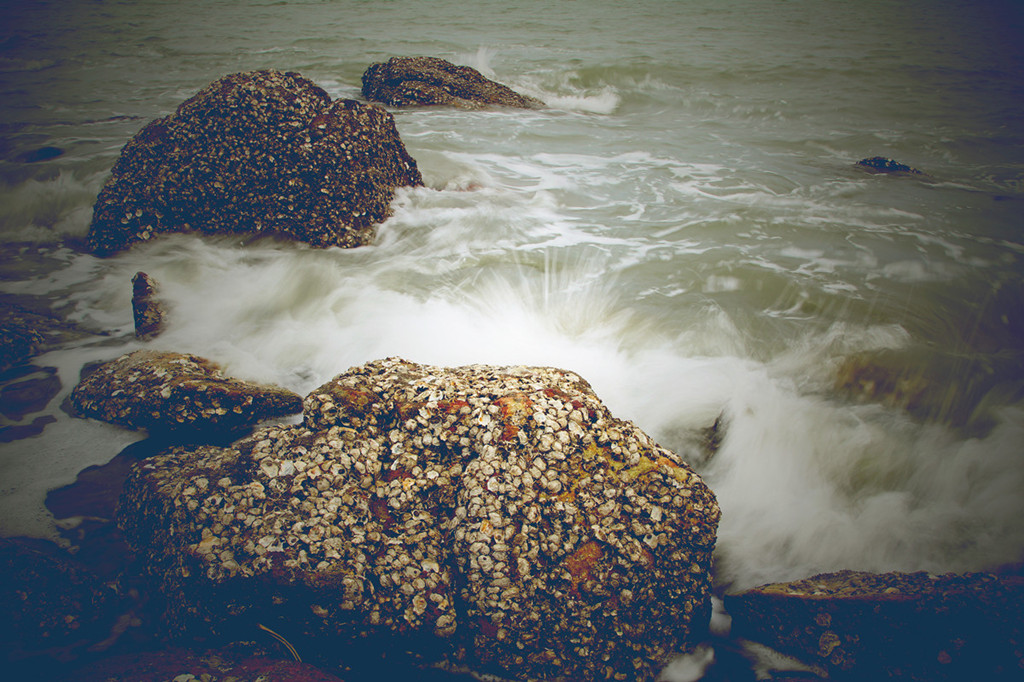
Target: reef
pixel 494 517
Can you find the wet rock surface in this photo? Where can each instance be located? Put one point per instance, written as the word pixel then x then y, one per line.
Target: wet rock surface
pixel 419 81
pixel 262 153
pixel 500 518
pixel 880 164
pixel 146 308
pixel 164 391
pixel 913 626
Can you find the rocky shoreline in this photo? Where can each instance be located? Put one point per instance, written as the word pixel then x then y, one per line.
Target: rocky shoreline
pixel 493 519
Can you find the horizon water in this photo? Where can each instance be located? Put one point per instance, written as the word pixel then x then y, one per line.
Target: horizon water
pixel 683 225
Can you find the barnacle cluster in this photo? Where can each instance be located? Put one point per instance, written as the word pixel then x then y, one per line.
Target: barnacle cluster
pixel 162 390
pixel 405 81
pixel 501 513
pixel 264 153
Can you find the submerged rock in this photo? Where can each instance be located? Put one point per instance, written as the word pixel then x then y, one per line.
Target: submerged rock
pixel 880 164
pixel 163 391
pixel 146 309
pixel 497 517
pixel 262 153
pixel 912 626
pixel 410 81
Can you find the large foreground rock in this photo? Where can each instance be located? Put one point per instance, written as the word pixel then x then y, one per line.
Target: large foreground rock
pixel 412 81
pixel 911 626
pixel 164 391
pixel 257 153
pixel 497 517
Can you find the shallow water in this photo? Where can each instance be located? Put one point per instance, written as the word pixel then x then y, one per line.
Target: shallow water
pixel 684 226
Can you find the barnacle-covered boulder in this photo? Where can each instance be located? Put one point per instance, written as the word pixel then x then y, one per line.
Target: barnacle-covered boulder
pixel 260 153
pixel 418 81
pixel 164 391
pixel 499 517
pixel 913 626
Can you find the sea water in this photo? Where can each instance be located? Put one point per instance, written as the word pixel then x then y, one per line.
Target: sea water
pixel 684 225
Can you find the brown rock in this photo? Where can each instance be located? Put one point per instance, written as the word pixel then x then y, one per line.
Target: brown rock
pixel 171 391
pixel 497 517
pixel 261 153
pixel 409 81
pixel 148 313
pixel 912 626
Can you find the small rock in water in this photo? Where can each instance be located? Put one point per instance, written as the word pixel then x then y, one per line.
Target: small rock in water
pixel 148 313
pixel 165 391
pixel 880 164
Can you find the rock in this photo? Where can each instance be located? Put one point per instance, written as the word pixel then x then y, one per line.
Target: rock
pixel 408 81
pixel 29 394
pixel 163 391
pixel 28 328
pixel 495 517
pixel 261 153
pixel 53 609
pixel 40 154
pixel 880 164
pixel 181 665
pixel 913 626
pixel 148 313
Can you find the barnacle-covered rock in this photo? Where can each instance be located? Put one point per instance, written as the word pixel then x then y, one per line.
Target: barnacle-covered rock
pixel 913 626
pixel 412 81
pixel 164 391
pixel 497 516
pixel 260 153
pixel 146 308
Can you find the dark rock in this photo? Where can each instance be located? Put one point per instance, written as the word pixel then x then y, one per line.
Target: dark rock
pixel 261 153
pixel 410 81
pixel 29 395
pixel 15 432
pixel 499 518
pixel 912 626
pixel 53 608
pixel 28 328
pixel 41 154
pixel 18 343
pixel 163 391
pixel 148 313
pixel 185 665
pixel 880 164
